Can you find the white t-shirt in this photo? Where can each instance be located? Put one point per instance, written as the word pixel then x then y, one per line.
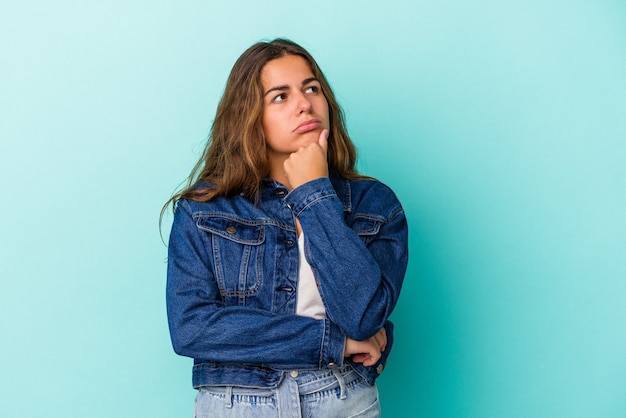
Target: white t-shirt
pixel 309 302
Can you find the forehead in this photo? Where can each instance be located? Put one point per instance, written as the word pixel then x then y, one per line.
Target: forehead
pixel 289 69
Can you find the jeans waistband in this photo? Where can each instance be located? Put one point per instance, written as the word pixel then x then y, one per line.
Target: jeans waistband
pixel 311 381
pixel 307 382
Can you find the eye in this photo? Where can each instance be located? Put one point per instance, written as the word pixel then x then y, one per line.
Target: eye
pixel 279 98
pixel 312 89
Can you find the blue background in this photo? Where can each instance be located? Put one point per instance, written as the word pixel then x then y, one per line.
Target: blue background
pixel 500 124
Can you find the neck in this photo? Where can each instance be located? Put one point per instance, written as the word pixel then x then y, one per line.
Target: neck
pixel 277 172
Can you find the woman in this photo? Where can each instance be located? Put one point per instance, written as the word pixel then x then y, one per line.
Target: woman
pixel 284 263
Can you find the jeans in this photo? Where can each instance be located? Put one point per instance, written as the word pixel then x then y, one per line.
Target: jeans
pixel 340 392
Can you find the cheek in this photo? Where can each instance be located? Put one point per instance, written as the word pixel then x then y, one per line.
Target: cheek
pixel 323 104
pixel 326 111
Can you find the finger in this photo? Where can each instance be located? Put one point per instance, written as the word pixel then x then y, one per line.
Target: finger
pixel 373 358
pixel 367 359
pixel 383 334
pixel 323 140
pixel 379 339
pixel 360 358
pixel 374 355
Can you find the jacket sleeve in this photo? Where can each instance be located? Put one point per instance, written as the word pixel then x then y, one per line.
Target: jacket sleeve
pixel 202 327
pixel 359 279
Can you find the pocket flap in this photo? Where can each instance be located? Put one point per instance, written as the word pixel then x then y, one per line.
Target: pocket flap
pixel 243 231
pixel 366 225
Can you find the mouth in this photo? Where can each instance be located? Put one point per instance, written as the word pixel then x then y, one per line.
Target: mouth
pixel 308 125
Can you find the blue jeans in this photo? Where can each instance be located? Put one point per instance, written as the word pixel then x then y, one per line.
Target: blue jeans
pixel 337 393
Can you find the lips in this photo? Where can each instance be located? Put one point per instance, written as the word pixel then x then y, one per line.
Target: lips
pixel 308 125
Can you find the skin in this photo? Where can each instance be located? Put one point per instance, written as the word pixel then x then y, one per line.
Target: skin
pixel 295 124
pixel 292 97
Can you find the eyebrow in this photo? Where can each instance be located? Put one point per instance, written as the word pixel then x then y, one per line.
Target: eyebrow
pixel 285 87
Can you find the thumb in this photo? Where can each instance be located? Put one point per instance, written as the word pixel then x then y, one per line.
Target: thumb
pixel 323 140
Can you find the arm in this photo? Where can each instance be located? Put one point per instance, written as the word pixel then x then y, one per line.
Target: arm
pixel 202 327
pixel 359 283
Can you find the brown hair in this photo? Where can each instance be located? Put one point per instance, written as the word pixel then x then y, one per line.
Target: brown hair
pixel 235 160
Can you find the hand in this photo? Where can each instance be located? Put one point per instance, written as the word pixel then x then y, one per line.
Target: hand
pixel 308 163
pixel 368 351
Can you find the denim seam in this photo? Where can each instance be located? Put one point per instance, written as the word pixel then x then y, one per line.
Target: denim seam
pixel 317 199
pixel 257 222
pixel 324 343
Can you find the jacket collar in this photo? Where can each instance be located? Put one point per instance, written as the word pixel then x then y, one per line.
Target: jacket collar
pixel 340 184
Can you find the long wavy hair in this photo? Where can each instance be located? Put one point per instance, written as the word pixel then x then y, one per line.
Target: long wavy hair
pixel 235 159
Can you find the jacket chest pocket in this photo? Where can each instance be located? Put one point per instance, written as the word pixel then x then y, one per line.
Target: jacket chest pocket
pixel 366 226
pixel 237 249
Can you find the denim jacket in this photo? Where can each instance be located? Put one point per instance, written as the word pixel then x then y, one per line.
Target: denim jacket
pixel 233 271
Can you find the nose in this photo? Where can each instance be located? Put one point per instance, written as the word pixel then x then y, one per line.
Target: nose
pixel 303 104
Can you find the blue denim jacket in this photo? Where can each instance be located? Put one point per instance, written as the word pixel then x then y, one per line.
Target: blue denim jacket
pixel 233 271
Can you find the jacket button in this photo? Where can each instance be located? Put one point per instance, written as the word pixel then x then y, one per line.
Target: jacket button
pixel 380 368
pixel 231 230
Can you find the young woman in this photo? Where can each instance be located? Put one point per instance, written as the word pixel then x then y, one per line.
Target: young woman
pixel 284 263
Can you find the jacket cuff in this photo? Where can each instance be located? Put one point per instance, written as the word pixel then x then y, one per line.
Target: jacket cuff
pixel 333 346
pixel 308 193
